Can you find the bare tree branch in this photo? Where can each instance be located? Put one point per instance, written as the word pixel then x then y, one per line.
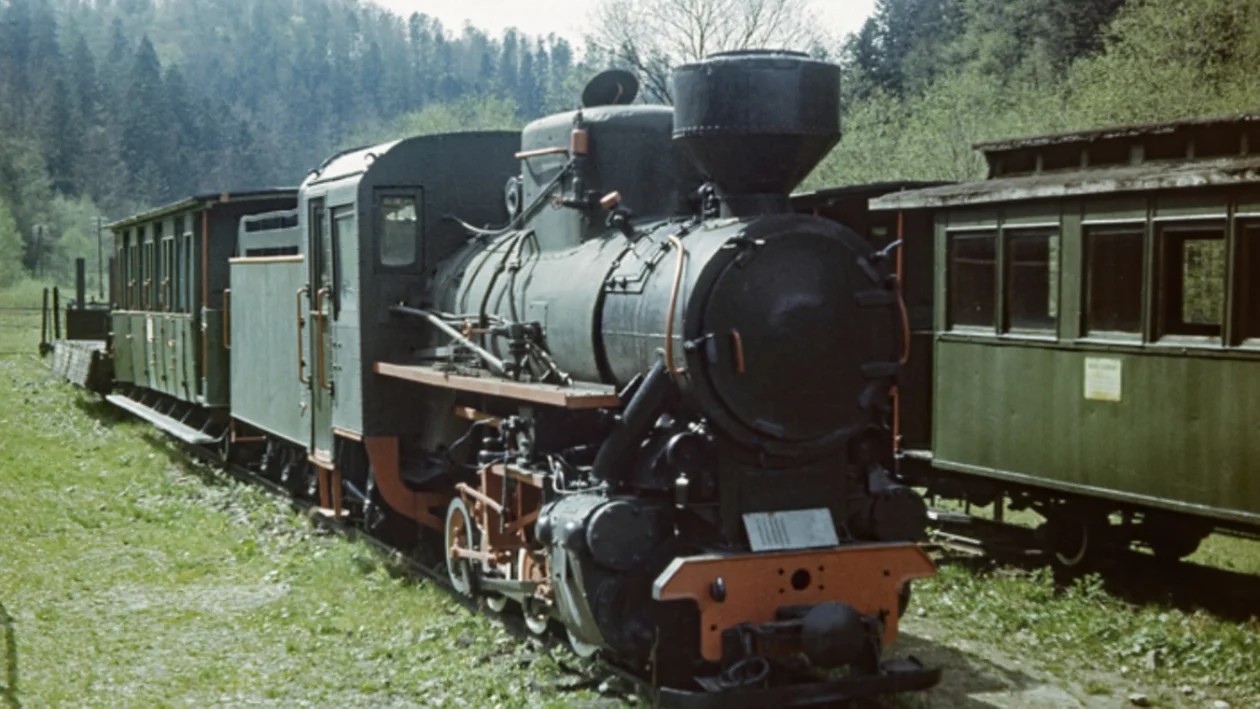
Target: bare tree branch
pixel 652 36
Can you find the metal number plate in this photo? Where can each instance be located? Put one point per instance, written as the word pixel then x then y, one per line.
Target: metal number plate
pixel 793 529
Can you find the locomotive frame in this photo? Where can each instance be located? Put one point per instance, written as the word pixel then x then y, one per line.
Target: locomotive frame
pixel 1088 323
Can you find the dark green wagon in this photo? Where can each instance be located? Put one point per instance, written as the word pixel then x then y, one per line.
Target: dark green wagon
pixel 1089 320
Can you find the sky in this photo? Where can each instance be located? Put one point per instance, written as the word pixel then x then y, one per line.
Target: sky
pixel 568 18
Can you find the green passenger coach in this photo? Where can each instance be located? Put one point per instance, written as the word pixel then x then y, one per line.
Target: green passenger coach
pixel 171 292
pixel 1094 336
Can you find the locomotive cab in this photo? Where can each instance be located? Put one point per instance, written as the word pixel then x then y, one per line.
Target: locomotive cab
pixel 369 228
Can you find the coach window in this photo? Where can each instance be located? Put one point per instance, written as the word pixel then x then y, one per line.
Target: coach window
pixel 168 273
pixel 399 230
pixel 972 279
pixel 136 281
pixel 146 268
pixel 177 270
pixel 1192 280
pixel 123 264
pixel 159 268
pixel 1249 280
pixel 1031 259
pixel 188 271
pixel 1113 279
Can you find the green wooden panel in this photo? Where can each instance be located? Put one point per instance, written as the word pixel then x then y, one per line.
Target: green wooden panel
pixel 1115 208
pixel 965 218
pixel 1248 201
pixel 266 392
pixel 348 374
pixel 940 243
pixel 120 325
pixel 1191 204
pixel 172 355
pixel 215 375
pixel 347 412
pixel 160 360
pixel 1071 285
pixel 1185 430
pixel 139 350
pixel 165 357
pixel 179 364
pixel 156 345
pixel 188 358
pixel 1038 213
pixel 148 338
pixel 175 330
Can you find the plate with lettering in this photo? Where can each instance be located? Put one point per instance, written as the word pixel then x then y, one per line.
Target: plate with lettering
pixel 790 529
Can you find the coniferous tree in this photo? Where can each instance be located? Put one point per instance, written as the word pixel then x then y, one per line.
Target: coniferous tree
pixel 537 98
pixel 64 128
pixel 508 76
pixel 526 95
pixel 181 136
pixel 15 53
pixel 145 145
pixel 12 248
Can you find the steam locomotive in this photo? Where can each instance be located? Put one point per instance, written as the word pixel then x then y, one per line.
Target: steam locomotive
pixel 652 406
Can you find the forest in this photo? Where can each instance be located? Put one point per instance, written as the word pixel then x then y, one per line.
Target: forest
pixel 111 106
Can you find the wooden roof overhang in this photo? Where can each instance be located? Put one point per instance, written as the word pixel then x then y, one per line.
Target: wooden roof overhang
pixel 199 202
pixel 1225 171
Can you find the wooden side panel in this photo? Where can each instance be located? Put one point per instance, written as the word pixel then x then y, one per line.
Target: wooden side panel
pixel 120 324
pixel 216 371
pixel 265 389
pixel 183 363
pixel 1138 424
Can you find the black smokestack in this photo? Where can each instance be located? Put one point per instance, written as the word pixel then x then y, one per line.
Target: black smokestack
pixel 757 122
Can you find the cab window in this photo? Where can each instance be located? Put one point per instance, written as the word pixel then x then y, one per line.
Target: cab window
pixel 399 230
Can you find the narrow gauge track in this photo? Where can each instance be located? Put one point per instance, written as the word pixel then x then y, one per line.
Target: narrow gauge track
pixel 409 566
pixel 1128 574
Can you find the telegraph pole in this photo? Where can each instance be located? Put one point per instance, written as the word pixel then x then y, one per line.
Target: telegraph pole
pixel 100 261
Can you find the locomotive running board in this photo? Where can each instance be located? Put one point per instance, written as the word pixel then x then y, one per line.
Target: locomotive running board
pixel 185 433
pixel 578 396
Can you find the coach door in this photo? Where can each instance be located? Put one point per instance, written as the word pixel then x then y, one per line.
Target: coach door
pixel 322 294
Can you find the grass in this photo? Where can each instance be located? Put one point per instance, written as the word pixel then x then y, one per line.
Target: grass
pixel 1082 627
pixel 1085 631
pixel 19 318
pixel 135 576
